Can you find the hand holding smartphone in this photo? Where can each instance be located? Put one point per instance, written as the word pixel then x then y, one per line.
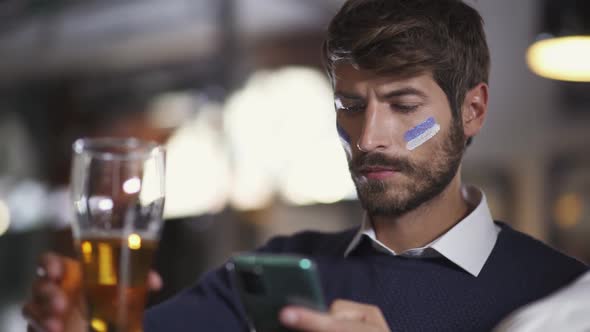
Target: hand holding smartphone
pixel 266 283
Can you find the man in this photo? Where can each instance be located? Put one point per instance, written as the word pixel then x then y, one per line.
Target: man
pixel 410 90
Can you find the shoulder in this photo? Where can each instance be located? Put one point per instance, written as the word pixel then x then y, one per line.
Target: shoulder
pixel 529 252
pixel 524 244
pixel 573 302
pixel 311 243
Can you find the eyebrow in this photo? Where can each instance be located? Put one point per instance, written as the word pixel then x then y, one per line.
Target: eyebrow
pixel 392 94
pixel 345 95
pixel 404 92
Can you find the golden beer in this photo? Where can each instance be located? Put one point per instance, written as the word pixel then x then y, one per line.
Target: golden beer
pixel 115 270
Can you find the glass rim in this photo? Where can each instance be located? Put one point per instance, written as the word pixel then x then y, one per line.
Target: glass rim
pixel 135 148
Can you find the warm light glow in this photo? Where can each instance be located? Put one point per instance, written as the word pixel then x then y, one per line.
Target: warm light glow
pixel 568 210
pixel 249 117
pixel 197 169
pixel 99 325
pixel 282 129
pixel 4 218
pixel 319 175
pixel 134 241
pixel 86 248
pixel 132 186
pixel 277 135
pixel 86 251
pixel 564 58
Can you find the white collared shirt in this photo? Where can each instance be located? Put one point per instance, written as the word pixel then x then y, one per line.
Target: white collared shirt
pixel 468 244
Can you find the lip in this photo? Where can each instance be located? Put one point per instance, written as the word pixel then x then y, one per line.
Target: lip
pixel 377 173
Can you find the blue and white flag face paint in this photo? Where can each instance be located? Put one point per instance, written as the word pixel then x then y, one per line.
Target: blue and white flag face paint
pixel 421 133
pixel 344 140
pixel 342 134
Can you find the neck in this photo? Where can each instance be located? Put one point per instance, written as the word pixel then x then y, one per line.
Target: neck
pixel 422 225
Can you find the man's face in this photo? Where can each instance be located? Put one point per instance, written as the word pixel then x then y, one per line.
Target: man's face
pixel 374 115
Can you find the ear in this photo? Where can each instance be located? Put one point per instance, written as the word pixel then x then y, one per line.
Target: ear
pixel 474 110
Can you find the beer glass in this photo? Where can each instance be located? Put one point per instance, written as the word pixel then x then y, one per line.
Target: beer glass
pixel 117 190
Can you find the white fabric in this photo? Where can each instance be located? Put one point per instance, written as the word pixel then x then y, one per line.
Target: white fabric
pixel 468 244
pixel 567 310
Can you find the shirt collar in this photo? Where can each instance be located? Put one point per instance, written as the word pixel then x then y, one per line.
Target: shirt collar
pixel 468 244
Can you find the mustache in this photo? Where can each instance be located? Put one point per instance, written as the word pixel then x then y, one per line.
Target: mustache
pixel 399 164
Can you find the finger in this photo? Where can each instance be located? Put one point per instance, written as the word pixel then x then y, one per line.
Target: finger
pixel 48 297
pixel 302 319
pixel 349 315
pixel 344 309
pixel 373 315
pixel 39 322
pixel 340 304
pixel 154 281
pixel 346 305
pixel 50 266
pixel 307 320
pixel 32 325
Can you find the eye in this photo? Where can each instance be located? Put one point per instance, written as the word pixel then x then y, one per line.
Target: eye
pixel 348 107
pixel 405 108
pixel 351 109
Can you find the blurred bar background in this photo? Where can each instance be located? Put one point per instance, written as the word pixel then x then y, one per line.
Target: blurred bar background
pixel 235 90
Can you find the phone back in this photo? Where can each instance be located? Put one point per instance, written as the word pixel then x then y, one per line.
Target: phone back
pixel 267 283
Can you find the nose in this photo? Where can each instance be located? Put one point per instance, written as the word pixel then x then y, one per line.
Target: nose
pixel 376 132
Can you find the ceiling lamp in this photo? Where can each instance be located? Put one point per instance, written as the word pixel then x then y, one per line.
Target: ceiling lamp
pixel 562 50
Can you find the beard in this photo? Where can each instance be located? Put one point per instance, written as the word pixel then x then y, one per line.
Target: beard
pixel 419 183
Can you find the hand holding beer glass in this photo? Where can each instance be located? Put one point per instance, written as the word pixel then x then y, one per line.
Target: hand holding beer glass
pixel 118 196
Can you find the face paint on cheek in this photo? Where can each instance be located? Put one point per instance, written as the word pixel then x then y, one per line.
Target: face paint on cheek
pixel 343 134
pixel 344 139
pixel 421 133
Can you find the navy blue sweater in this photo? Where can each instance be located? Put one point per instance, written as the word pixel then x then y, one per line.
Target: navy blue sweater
pixel 415 294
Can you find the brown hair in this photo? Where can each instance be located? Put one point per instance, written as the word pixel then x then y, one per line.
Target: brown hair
pixel 407 37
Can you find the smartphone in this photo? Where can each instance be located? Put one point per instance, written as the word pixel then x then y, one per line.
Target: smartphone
pixel 266 283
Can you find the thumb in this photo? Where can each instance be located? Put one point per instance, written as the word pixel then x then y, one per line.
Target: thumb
pixel 154 281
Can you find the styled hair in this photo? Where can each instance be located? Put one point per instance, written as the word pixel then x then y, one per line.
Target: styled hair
pixel 409 37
